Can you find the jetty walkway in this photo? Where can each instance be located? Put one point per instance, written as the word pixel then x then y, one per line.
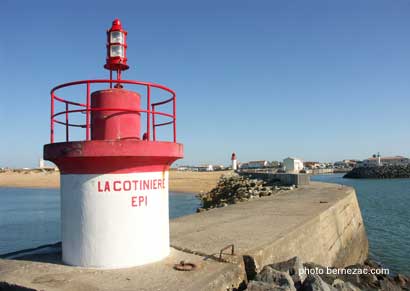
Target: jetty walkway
pixel 319 222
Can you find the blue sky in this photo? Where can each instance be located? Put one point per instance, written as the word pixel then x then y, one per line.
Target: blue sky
pixel 321 80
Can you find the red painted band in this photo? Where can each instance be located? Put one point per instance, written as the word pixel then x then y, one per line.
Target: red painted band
pixel 103 157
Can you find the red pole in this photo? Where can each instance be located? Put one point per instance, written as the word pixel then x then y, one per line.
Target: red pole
pixel 66 123
pixel 148 111
pixel 175 118
pixel 118 78
pixel 87 114
pixel 52 119
pixel 110 79
pixel 154 138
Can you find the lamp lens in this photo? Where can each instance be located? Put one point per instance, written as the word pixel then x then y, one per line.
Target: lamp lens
pixel 117 37
pixel 116 51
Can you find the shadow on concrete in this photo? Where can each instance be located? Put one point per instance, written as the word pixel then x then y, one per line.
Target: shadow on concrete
pixel 4 286
pixel 46 254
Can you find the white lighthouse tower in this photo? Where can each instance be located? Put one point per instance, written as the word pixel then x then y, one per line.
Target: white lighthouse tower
pixel 234 162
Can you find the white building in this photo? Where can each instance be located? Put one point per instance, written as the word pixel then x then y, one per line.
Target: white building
pixel 292 165
pixel 255 165
pixel 218 167
pixel 205 168
pixel 385 161
pixel 345 164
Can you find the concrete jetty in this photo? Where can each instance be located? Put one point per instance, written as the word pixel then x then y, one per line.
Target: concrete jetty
pixel 319 222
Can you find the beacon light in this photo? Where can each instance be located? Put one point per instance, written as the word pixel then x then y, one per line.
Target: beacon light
pixel 117 37
pixel 116 51
pixel 114 183
pixel 116 48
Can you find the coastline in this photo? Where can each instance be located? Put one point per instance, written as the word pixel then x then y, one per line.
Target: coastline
pixel 380 172
pixel 182 182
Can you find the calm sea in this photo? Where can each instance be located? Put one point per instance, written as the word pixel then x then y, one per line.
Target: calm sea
pixel 31 217
pixel 385 206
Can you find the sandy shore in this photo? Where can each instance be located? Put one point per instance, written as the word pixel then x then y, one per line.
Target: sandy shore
pixel 187 182
pixel 194 182
pixel 29 179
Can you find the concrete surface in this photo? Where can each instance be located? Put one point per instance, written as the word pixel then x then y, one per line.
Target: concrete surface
pixel 319 222
pixel 285 178
pixel 209 275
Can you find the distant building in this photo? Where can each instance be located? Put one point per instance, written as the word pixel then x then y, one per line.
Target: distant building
pixel 41 164
pixel 276 164
pixel 292 165
pixel 311 165
pixel 385 161
pixel 218 167
pixel 346 164
pixel 205 168
pixel 255 165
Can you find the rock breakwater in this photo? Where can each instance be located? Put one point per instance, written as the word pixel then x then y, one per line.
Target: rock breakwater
pixel 382 172
pixel 234 188
pixel 294 275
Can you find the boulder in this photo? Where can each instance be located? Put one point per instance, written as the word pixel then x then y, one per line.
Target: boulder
pixel 340 285
pixel 402 281
pixel 235 188
pixel 372 264
pixel 293 267
pixel 272 276
pixel 263 286
pixel 363 281
pixel 382 172
pixel 318 269
pixel 388 285
pixel 313 282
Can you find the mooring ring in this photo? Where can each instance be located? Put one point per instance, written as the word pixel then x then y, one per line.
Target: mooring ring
pixel 183 266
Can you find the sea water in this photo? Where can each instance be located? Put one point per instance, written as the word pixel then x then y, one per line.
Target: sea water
pixel 31 217
pixel 385 206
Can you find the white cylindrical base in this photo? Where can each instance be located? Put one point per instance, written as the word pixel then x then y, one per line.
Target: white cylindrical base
pixel 114 220
pixel 234 165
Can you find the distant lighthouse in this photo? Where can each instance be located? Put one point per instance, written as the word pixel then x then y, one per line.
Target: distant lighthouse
pixel 234 162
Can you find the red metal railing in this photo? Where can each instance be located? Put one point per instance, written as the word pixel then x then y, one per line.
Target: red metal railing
pixel 86 108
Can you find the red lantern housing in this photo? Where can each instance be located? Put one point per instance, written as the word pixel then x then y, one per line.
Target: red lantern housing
pixel 116 48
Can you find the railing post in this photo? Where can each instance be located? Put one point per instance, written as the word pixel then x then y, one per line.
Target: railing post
pixel 52 119
pixel 175 117
pixel 87 114
pixel 66 123
pixel 148 111
pixel 154 135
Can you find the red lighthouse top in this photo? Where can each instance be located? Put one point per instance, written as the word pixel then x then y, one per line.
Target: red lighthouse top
pixel 113 129
pixel 233 156
pixel 116 47
pixel 77 114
